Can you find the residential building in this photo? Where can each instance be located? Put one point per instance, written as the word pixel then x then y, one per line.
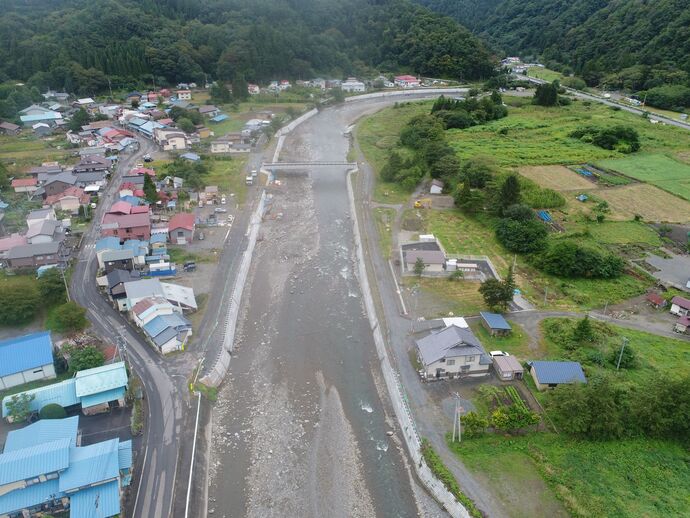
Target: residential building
pixel 353 85
pixel 33 256
pixel 7 128
pixel 35 114
pixel 181 228
pixel 69 200
pixel 433 260
pixel 452 352
pixel 179 296
pixel 118 260
pixel 656 301
pixel 406 81
pixel 27 185
pixel 7 243
pixel 548 374
pixel 26 358
pixel 494 323
pixel 57 183
pixel 680 306
pixel 208 110
pixel 170 139
pixel 682 325
pixel 141 289
pixel 47 231
pixel 184 95
pixel 91 163
pixel 46 471
pixel 253 89
pixel 508 368
pixel 115 282
pixel 40 215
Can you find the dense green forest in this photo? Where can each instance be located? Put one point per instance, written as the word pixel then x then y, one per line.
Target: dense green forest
pixel 632 44
pixel 80 45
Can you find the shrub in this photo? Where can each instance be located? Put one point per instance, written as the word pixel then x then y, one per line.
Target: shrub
pixel 620 138
pixel 69 317
pixel 566 258
pixel 473 424
pixel 523 237
pixel 513 418
pixel 85 358
pixel 52 411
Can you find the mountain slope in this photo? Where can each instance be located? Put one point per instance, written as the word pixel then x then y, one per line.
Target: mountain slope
pixel 594 37
pixel 75 44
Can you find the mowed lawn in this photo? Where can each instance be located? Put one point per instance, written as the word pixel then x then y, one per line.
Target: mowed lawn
pixel 539 136
pixel 657 169
pixel 627 478
pixel 624 232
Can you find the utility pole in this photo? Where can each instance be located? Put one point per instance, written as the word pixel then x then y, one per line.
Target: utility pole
pixel 620 355
pixel 110 87
pixel 456 418
pixel 546 291
pixel 606 306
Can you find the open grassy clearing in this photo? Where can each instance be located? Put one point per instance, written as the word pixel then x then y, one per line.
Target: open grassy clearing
pixel 544 73
pixel 229 176
pixel 539 136
pixel 384 218
pixel 660 170
pixel 22 152
pixel 516 343
pixel 557 177
pixel 461 235
pixel 440 297
pixel 642 477
pixel 650 202
pixel 623 232
pixel 377 136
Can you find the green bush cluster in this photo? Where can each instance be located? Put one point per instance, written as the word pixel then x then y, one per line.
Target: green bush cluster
pixel 620 138
pixel 568 258
pixel 461 114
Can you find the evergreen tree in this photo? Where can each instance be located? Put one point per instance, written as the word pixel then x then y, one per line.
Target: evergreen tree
pixel 150 191
pixel 510 192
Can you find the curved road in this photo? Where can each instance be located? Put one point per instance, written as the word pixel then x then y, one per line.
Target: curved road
pixel 152 492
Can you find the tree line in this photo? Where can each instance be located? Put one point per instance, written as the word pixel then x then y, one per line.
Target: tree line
pixel 87 47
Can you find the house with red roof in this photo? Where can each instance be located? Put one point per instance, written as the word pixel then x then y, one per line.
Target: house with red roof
pixel 181 228
pixel 656 301
pixel 680 306
pixel 125 221
pixel 140 171
pixel 68 200
pixel 406 81
pixel 25 184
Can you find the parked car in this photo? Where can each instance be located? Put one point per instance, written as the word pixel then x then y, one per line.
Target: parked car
pixel 147 158
pixel 200 236
pixel 498 353
pixel 189 266
pixel 221 210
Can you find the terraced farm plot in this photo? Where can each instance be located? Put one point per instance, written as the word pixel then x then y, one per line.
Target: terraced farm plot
pixel 659 170
pixel 557 177
pixel 623 232
pixel 648 201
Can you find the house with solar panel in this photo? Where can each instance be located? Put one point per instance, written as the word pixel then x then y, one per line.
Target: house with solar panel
pixel 44 469
pixel 26 358
pixel 93 390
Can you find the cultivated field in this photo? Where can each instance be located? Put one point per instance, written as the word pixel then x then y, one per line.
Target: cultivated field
pixel 557 177
pixel 659 170
pixel 648 201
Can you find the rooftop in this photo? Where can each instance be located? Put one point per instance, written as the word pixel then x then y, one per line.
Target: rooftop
pixel 495 321
pixel 548 372
pixel 25 352
pixel 453 341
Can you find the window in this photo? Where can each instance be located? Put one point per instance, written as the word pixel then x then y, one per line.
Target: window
pixel 469 359
pixel 464 368
pixel 38 370
pixel 451 362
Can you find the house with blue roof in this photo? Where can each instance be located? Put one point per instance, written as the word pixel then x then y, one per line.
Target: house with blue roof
pixel 547 374
pixel 495 324
pixel 26 358
pixel 95 390
pixel 44 468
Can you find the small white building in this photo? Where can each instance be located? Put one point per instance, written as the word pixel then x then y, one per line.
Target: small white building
pixel 184 95
pixel 352 85
pixel 436 186
pixel 680 306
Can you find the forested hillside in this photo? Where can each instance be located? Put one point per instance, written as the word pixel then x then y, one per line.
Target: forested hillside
pixel 637 44
pixel 80 44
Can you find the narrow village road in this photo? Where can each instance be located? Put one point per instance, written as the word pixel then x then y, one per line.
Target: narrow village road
pixel 153 488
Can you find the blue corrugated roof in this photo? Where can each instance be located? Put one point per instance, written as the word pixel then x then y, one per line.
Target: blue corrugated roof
pixel 190 156
pixel 108 243
pixel 103 397
pixel 558 372
pixel 36 494
pixel 25 352
pixel 62 393
pixel 495 321
pixel 50 116
pixel 31 462
pixel 101 379
pixel 90 465
pixel 135 201
pixel 101 501
pixel 158 238
pixel 124 455
pixel 43 431
pixel 156 326
pixel 219 118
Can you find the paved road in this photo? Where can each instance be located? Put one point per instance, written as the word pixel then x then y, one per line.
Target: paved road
pixel 155 476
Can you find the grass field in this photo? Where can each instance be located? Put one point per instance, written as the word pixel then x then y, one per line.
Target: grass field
pixel 557 177
pixel 440 297
pixel 384 220
pixel 22 152
pixel 516 343
pixel 660 170
pixel 623 232
pixel 229 176
pixel 650 202
pixel 544 73
pixel 629 478
pixel 377 135
pixel 462 235
pixel 539 136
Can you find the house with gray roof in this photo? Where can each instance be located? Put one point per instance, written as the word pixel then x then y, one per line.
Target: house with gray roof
pixel 453 352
